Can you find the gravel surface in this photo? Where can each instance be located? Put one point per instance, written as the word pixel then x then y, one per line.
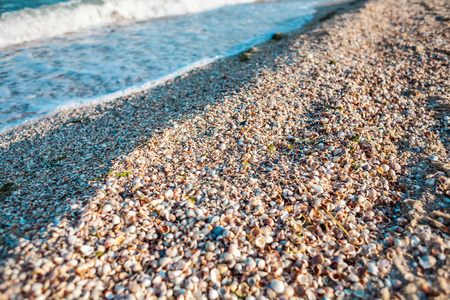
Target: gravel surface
pixel 315 166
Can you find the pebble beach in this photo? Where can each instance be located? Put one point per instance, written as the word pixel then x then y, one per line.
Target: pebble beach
pixel 314 166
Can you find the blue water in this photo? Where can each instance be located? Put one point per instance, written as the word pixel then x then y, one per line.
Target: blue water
pixel 12 5
pixel 39 76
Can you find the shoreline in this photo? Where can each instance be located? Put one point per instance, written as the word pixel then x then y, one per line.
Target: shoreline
pixel 318 168
pixel 323 12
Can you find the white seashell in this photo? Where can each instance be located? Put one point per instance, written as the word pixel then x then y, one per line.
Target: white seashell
pixel 165 261
pixel 434 157
pixel 210 246
pixel 372 268
pixel 174 274
pixel 213 294
pixel 87 250
pixel 169 194
pixel 260 241
pixel 106 208
pixel 415 241
pixel 269 239
pixel 233 250
pixel 190 213
pixel 110 242
pixel 277 286
pixel 215 276
pixel 116 220
pixel 71 239
pixel 222 146
pixel 383 263
pixel 310 295
pixel 228 257
pixel 106 269
pixel 427 262
pixel 156 202
pixel 317 188
pixel 372 194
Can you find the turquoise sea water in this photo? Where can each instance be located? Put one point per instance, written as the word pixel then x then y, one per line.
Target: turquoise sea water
pixel 13 5
pixel 41 71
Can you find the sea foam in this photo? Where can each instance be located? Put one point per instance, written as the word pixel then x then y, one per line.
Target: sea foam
pixel 65 17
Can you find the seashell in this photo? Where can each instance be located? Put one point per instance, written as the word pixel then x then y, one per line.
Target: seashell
pixel 277 286
pixel 169 194
pixel 71 239
pixel 110 242
pixel 266 230
pixel 87 250
pixel 427 262
pixel 215 276
pixel 105 270
pixel 317 188
pixel 303 279
pixel 165 229
pixel 213 294
pixel 372 268
pixel 106 208
pixel 310 295
pixel 289 291
pixel 233 250
pixel 116 220
pixel 430 290
pixel 334 265
pixel 260 242
pixel 335 276
pixel 255 232
pixel 242 289
pixel 434 157
pixel 317 260
pixel 360 271
pixel 297 226
pixel 210 246
pixel 317 270
pixel 269 222
pixel 384 263
pixel 163 262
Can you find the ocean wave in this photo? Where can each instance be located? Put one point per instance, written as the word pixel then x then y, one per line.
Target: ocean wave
pixel 54 20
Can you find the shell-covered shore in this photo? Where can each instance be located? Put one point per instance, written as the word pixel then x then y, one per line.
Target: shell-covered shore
pixel 313 167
